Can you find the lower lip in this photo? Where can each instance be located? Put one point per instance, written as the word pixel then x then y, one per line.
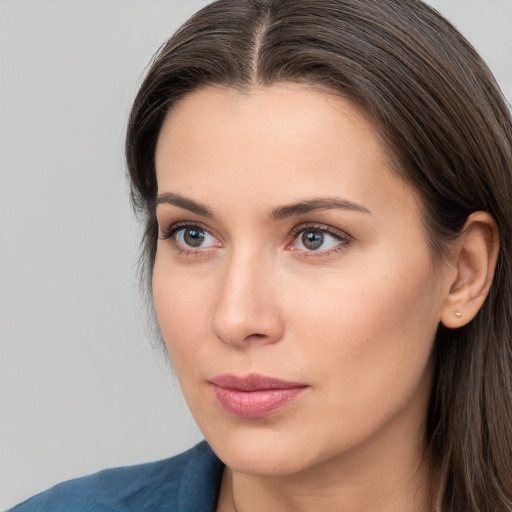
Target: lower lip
pixel 255 404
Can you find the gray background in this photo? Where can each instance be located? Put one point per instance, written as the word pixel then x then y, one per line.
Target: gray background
pixel 81 388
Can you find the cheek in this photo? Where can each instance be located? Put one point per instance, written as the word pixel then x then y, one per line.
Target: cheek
pixel 183 308
pixel 375 328
pixel 178 308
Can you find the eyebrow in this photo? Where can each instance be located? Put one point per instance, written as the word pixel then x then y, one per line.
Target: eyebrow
pixel 183 202
pixel 322 203
pixel 275 214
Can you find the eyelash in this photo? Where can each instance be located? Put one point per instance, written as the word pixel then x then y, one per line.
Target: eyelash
pixel 170 235
pixel 343 238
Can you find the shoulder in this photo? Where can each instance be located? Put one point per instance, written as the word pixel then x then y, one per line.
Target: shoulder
pixel 186 482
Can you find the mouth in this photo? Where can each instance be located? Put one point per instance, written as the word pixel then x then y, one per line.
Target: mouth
pixel 254 396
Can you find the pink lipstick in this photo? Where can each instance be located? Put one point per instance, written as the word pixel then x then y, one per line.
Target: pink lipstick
pixel 254 396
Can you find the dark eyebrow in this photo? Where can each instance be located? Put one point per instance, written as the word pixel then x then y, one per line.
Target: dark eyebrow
pixel 278 213
pixel 322 203
pixel 183 202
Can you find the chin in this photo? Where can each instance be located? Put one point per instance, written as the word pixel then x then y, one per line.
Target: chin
pixel 256 452
pixel 263 460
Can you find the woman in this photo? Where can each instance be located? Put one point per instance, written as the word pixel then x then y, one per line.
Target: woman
pixel 327 193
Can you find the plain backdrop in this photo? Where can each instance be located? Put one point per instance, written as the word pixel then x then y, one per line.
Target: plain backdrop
pixel 81 387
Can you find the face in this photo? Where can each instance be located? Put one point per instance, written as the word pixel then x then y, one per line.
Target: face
pixel 293 283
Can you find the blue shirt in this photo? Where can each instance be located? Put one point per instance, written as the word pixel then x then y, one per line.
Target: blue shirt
pixel 188 482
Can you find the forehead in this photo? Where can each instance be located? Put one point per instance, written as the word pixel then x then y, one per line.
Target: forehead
pixel 295 110
pixel 284 140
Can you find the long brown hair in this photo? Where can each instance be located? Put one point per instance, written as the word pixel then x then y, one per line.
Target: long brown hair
pixel 449 130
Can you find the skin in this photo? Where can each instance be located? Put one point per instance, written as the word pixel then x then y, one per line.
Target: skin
pixel 353 320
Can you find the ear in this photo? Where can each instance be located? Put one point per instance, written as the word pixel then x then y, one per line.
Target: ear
pixel 475 262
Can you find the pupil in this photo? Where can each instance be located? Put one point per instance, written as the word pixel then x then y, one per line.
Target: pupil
pixel 312 239
pixel 193 237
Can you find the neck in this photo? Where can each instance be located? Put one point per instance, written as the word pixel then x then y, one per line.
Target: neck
pixel 383 476
pixel 388 491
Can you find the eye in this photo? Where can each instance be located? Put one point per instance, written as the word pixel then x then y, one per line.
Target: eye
pixel 194 236
pixel 190 237
pixel 318 239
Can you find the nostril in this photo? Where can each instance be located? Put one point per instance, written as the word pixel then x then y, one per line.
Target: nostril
pixel 255 337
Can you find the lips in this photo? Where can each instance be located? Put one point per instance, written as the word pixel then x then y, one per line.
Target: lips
pixel 254 396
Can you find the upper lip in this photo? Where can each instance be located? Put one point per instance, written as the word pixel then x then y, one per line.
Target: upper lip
pixel 253 382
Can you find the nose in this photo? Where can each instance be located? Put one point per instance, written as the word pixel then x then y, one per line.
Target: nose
pixel 247 312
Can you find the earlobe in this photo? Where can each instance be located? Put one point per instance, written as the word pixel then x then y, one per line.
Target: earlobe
pixel 475 262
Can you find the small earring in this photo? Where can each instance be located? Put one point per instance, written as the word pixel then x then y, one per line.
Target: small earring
pixel 457 314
